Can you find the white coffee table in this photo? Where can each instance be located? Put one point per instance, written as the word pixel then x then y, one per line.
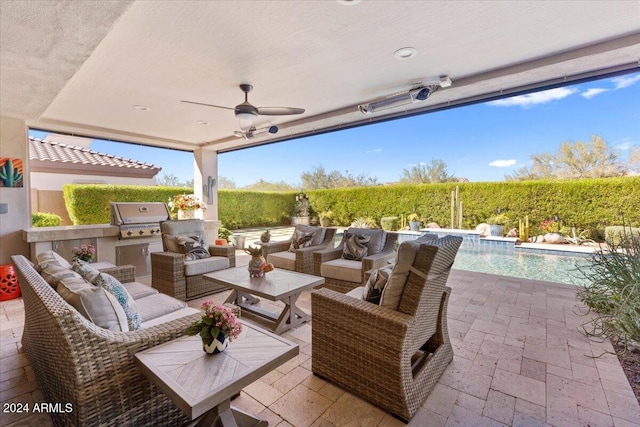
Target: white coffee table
pixel 202 384
pixel 276 285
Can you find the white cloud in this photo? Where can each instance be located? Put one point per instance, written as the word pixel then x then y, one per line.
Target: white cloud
pixel 503 163
pixel 590 93
pixel 534 98
pixel 625 81
pixel 375 150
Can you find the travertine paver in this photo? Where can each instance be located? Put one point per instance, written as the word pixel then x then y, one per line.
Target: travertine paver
pixel 519 360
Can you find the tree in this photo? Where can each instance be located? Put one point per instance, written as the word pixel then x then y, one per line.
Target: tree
pixel 270 186
pixel 226 183
pixel 574 160
pixel 168 180
pixel 318 179
pixel 423 173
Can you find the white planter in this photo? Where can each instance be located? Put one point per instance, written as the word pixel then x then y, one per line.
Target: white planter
pixel 190 214
pixel 300 220
pixel 497 230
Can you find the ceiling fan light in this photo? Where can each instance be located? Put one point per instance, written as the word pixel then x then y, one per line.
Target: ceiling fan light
pixel 245 116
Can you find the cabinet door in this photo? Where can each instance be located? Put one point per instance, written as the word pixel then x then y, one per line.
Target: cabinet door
pixel 136 255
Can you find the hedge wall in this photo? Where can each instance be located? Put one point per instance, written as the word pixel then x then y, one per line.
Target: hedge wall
pixel 590 204
pixel 587 204
pixel 90 203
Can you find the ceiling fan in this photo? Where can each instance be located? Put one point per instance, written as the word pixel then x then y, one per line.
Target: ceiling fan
pixel 246 112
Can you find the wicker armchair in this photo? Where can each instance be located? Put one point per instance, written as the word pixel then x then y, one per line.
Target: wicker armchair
pixel 344 275
pixel 175 276
pixel 76 362
pixel 391 358
pixel 300 260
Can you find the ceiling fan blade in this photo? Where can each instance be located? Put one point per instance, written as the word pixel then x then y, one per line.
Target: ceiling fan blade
pixel 279 111
pixel 207 105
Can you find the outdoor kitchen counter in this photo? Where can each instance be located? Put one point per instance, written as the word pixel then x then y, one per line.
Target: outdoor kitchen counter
pixel 69 232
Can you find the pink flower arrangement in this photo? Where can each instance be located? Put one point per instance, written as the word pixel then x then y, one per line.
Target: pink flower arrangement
pixel 84 252
pixel 216 319
pixel 186 202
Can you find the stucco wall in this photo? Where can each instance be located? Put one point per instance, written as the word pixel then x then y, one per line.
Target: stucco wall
pixel 13 143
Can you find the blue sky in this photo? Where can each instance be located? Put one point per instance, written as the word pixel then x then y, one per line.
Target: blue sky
pixel 482 142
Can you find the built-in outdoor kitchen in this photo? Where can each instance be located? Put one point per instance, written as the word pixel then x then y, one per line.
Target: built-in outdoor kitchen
pixel 130 238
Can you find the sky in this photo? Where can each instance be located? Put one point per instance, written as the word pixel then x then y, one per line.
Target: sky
pixel 482 142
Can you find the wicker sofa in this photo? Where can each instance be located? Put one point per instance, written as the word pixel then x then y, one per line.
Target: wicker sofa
pixel 92 368
pixel 391 357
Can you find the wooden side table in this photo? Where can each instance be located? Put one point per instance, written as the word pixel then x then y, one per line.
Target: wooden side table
pixel 202 384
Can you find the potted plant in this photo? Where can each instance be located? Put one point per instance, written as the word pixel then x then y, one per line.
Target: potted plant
pixel 186 205
pixel 497 224
pixel 325 218
pixel 84 252
pixel 301 210
pixel 414 221
pixel 218 326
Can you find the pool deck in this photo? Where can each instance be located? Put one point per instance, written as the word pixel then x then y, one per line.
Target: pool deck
pixel 519 360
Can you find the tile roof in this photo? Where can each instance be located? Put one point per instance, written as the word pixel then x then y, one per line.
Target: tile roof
pixel 53 155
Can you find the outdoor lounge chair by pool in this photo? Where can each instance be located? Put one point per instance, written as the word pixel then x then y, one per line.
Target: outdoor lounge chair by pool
pixel 285 255
pixel 392 357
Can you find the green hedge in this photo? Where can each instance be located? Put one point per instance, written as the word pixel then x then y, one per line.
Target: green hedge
pixel 45 219
pixel 243 209
pixel 90 203
pixel 589 204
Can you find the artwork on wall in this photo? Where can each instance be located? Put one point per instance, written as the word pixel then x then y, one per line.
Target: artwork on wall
pixel 11 172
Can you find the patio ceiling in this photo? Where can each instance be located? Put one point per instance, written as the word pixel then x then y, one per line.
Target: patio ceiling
pixel 80 67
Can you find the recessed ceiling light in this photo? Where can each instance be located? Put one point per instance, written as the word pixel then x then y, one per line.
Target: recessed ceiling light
pixel 202 122
pixel 348 2
pixel 141 107
pixel 405 53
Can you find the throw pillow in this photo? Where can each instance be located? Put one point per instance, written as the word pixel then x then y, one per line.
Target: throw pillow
pixel 374 286
pixel 193 247
pixel 355 246
pixel 84 269
pixel 95 304
pixel 114 287
pixel 301 239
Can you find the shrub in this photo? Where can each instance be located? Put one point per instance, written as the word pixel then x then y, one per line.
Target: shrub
pixel 613 290
pixel 500 219
pixel 390 223
pixel 617 234
pixel 45 219
pixel 364 222
pixel 224 233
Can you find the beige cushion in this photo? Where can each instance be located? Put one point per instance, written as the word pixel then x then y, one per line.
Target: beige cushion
pixel 170 316
pixel 156 305
pixel 392 292
pixel 186 227
pixel 342 269
pixel 205 265
pixel 94 303
pixel 53 272
pixel 138 290
pixel 284 260
pixel 356 292
pixel 51 256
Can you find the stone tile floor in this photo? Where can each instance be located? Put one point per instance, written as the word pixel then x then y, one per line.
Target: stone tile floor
pixel 520 360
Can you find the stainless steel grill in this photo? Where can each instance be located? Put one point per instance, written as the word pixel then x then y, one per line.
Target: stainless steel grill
pixel 138 219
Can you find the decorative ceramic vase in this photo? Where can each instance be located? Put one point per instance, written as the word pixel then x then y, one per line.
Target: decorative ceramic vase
pixel 265 237
pixel 184 214
pixel 255 267
pixel 218 345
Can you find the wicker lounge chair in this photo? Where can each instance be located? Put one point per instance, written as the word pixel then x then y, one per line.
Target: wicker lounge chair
pixel 174 275
pixel 343 275
pixel 300 260
pixel 393 358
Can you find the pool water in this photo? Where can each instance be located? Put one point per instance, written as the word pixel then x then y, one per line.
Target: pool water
pixel 550 268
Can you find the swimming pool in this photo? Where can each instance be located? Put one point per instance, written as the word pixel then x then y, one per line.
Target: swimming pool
pixel 547 267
